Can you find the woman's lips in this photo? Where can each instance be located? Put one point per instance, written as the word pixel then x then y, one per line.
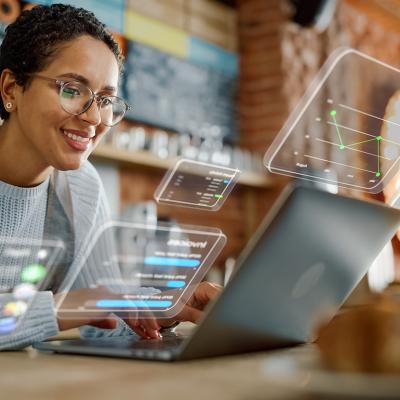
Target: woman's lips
pixel 79 142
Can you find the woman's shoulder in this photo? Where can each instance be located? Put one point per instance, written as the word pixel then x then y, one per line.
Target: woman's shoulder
pixel 88 201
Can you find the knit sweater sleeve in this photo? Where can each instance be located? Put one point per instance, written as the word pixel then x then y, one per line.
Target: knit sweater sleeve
pixel 38 324
pixel 22 213
pixel 90 213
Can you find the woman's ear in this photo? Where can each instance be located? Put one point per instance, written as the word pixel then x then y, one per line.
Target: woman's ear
pixel 9 89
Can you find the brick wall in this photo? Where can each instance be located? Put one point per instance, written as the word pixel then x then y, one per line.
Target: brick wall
pixel 262 105
pixel 279 59
pixel 277 62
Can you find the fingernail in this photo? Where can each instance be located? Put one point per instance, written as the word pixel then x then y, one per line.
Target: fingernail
pixel 159 335
pixel 154 333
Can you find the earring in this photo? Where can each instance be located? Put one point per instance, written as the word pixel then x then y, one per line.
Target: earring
pixel 9 105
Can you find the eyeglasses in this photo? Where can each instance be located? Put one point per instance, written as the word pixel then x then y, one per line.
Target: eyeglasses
pixel 76 98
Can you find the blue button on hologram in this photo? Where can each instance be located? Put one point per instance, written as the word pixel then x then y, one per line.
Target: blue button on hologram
pixel 171 262
pixel 112 303
pixel 176 284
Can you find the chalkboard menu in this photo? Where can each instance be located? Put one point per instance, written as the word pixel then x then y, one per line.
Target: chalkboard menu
pixel 173 93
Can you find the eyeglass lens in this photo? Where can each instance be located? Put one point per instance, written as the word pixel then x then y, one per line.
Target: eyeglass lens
pixel 76 98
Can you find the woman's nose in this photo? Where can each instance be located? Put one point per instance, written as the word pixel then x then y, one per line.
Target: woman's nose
pixel 92 114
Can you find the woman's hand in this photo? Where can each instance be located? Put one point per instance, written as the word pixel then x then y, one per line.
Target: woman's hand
pixel 193 310
pixel 76 300
pixel 147 328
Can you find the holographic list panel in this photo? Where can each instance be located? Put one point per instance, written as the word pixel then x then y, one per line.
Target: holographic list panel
pixel 150 271
pixel 195 184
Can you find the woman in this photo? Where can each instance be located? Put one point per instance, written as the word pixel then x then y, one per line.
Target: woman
pixel 48 55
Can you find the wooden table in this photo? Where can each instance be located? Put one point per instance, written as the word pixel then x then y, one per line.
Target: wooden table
pixel 30 375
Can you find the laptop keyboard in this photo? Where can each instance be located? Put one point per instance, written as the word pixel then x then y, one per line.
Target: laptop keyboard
pixel 154 349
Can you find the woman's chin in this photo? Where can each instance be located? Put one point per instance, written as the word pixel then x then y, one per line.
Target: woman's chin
pixel 68 165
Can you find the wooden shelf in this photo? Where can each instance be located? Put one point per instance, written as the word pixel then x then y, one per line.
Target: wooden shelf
pixel 149 160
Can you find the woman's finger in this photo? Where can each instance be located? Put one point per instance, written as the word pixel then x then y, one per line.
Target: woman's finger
pixel 152 327
pixel 140 331
pixel 105 323
pixel 189 314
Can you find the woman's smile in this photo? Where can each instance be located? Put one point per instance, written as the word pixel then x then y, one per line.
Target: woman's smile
pixel 78 140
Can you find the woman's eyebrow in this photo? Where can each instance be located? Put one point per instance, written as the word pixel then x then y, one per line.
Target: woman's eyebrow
pixel 85 81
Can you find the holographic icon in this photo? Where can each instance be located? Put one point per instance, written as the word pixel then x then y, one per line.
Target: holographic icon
pixel 24 291
pixel 15 308
pixel 33 273
pixel 7 325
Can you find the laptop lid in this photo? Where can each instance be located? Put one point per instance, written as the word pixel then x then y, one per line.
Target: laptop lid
pixel 306 257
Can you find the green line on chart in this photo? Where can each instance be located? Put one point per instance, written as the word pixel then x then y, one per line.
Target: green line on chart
pixel 333 115
pixel 378 139
pixel 365 141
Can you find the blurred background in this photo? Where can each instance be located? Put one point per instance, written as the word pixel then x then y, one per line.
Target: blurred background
pixel 215 81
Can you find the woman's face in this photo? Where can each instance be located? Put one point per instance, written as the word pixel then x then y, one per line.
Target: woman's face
pixel 56 138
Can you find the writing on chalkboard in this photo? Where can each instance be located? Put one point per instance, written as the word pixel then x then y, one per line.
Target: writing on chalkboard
pixel 172 93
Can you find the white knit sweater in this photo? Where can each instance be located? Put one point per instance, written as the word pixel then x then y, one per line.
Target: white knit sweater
pixel 22 215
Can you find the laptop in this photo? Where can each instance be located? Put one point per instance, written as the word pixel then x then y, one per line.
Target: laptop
pixel 308 254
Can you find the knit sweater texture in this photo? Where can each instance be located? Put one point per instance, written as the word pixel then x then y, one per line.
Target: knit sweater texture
pixel 22 215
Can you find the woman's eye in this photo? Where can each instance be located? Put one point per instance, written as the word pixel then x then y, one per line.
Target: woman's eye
pixel 70 92
pixel 106 101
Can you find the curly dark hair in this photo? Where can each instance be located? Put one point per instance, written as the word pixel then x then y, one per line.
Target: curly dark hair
pixel 32 41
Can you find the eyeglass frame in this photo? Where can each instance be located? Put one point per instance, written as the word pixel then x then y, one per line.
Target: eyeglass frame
pixel 94 96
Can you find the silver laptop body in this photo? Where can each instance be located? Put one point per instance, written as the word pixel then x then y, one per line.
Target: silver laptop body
pixel 308 254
